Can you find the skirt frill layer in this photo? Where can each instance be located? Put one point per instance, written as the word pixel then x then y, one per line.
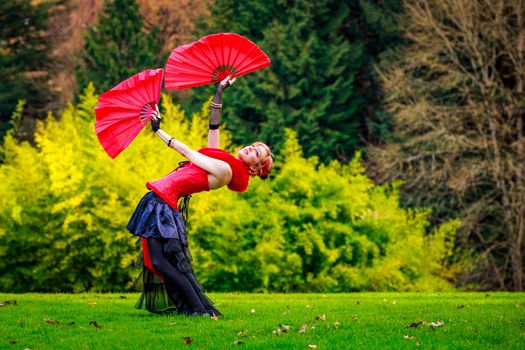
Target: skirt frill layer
pixel 154 218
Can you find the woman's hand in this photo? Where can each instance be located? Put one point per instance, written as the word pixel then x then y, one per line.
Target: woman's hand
pixel 225 83
pixel 155 120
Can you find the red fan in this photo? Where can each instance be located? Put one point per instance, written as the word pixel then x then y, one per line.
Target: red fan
pixel 123 111
pixel 211 59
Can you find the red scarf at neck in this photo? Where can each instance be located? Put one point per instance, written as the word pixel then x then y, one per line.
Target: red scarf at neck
pixel 240 175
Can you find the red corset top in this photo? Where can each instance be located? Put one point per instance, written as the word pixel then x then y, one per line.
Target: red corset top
pixel 180 182
pixel 192 179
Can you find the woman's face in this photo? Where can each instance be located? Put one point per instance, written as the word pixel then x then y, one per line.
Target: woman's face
pixel 252 155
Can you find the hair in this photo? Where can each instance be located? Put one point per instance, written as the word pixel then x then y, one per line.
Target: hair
pixel 266 165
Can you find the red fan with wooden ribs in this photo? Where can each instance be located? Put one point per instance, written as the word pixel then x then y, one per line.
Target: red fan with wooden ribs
pixel 211 59
pixel 123 111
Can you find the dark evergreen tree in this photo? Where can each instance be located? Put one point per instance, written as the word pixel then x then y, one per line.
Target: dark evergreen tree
pixel 23 59
pixel 320 83
pixel 375 23
pixel 117 47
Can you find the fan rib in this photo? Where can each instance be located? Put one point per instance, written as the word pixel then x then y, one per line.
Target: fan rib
pixel 243 65
pixel 240 52
pixel 200 54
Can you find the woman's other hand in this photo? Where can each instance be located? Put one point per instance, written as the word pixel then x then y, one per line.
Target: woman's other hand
pixel 155 120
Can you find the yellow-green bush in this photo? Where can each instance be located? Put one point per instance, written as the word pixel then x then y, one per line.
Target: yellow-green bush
pixel 311 227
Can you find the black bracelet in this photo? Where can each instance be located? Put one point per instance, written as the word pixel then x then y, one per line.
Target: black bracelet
pixel 169 142
pixel 214 126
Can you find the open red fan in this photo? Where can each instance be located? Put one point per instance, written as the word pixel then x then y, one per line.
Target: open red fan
pixel 123 111
pixel 211 59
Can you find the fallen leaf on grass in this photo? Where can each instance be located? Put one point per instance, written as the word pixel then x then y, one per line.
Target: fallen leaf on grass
pixel 283 328
pixel 303 329
pixel 436 324
pixel 20 321
pixel 95 324
pixel 409 337
pixel 48 321
pixel 242 332
pixel 238 342
pixel 8 302
pixel 214 317
pixel 518 306
pixel 321 317
pixel 431 324
pixel 414 324
pixel 354 318
pixel 475 331
pixel 187 340
pixel 252 311
pixel 418 343
pixel 312 346
pixel 337 324
pixel 51 321
pixel 312 328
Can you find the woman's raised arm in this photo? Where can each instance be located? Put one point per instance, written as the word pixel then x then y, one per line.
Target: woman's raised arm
pixel 215 113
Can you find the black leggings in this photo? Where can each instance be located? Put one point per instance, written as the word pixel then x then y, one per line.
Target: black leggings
pixel 174 279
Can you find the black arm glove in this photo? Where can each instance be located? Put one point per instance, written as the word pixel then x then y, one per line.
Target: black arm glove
pixel 216 104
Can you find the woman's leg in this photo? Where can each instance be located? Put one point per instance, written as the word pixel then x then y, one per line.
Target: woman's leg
pixel 172 275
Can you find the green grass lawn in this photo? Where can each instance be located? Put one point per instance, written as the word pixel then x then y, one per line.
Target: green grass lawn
pixel 268 321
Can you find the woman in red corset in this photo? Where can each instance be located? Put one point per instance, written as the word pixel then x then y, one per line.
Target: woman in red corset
pixel 168 281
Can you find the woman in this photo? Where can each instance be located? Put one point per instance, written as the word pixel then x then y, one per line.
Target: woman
pixel 168 280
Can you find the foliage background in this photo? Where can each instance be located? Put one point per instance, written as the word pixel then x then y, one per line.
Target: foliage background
pixel 65 206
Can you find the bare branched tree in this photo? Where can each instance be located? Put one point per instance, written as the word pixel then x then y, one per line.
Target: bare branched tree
pixel 457 98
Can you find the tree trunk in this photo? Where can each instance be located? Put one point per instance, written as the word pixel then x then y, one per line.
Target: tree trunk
pixel 517 260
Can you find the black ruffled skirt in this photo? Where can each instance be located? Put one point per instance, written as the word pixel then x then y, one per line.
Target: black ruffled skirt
pixel 154 218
